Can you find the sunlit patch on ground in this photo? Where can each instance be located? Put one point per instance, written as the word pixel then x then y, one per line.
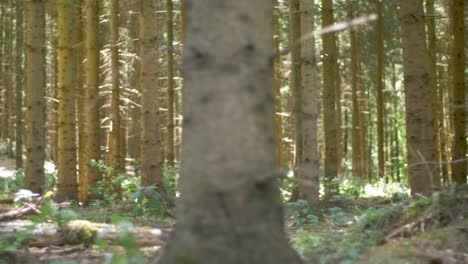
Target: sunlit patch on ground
pixel 8 167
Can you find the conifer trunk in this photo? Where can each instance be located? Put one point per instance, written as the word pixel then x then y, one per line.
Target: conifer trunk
pixel 170 83
pixel 35 91
pixel 19 85
pixel 67 160
pixel 91 106
pixel 459 148
pixel 329 97
pixel 309 169
pixel 420 136
pixel 380 89
pixel 236 205
pixel 151 155
pixel 115 146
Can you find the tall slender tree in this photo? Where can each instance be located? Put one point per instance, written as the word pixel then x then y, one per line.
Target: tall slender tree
pixel 115 137
pixel 8 75
pixel 67 160
pixel 35 90
pixel 295 76
pixel 3 122
pixel 91 106
pixel 432 48
pixel 236 205
pixel 309 169
pixel 420 135
pixel 19 84
pixel 151 155
pixel 459 149
pixel 380 89
pixel 80 101
pixel 329 105
pixel 277 83
pixel 170 82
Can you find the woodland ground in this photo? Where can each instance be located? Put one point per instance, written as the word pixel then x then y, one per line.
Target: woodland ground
pixel 363 230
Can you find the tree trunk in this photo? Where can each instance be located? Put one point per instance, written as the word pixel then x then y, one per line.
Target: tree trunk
pixel 329 97
pixel 357 159
pixel 8 75
pixel 19 84
pixel 67 181
pixel 295 77
pixel 35 90
pixel 170 83
pixel 459 149
pixel 309 169
pixel 3 121
pixel 115 146
pixel 230 201
pixel 432 48
pixel 277 85
pixel 91 107
pixel 80 100
pixel 151 156
pixel 420 136
pixel 135 136
pixel 380 89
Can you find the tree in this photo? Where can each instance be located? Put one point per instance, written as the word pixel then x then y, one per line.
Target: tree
pixel 380 89
pixel 432 48
pixel 329 111
pixel 91 106
pixel 230 202
pixel 67 182
pixel 277 84
pixel 35 89
pixel 151 156
pixel 309 168
pixel 459 149
pixel 170 83
pixel 116 160
pixel 8 75
pixel 19 85
pixel 80 101
pixel 420 135
pixel 295 76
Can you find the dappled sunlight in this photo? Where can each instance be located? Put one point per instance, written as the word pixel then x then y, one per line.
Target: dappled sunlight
pixel 382 189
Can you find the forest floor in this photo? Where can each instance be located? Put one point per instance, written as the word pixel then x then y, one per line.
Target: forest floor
pixel 362 230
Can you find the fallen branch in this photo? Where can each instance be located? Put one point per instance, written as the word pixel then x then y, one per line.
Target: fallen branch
pixel 80 232
pixel 28 209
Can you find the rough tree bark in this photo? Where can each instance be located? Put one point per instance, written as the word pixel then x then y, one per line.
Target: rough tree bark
pixel 92 93
pixel 19 84
pixel 380 89
pixel 115 137
pixel 420 135
pixel 35 90
pixel 170 83
pixel 459 149
pixel 230 202
pixel 309 169
pixel 329 105
pixel 151 155
pixel 67 181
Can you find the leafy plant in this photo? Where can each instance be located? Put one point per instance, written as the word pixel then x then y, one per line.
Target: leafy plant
pixel 148 200
pixel 337 214
pixel 301 212
pixel 170 179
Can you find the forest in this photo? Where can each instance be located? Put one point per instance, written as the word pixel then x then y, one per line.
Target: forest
pixel 233 131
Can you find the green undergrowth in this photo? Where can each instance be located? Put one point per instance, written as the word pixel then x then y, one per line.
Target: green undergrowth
pixel 352 234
